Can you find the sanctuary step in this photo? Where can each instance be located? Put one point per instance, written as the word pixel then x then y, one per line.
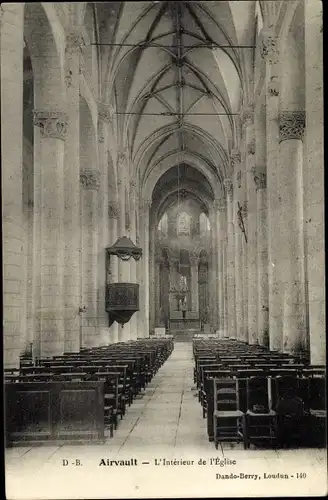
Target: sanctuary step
pixel 183 335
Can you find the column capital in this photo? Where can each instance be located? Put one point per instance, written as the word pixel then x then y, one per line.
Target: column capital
pixel 228 185
pixel 53 124
pixel 105 112
pixel 251 147
pixel 291 125
pixel 219 204
pixel 113 210
pixel 268 45
pixel 260 177
pixel 145 204
pixel 235 157
pixel 74 40
pixel 122 158
pixel 247 114
pixel 90 179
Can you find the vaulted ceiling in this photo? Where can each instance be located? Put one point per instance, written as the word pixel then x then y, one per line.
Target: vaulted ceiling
pixel 176 73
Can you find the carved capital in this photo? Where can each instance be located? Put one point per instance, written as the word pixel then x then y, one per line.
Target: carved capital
pixel 268 45
pixel 122 159
pixel 273 87
pixel 105 112
pixel 228 185
pixel 259 177
pixel 247 114
pixel 235 157
pixel 145 205
pixel 53 124
pixel 291 125
pixel 113 210
pixel 251 147
pixel 74 42
pixel 90 179
pixel 219 204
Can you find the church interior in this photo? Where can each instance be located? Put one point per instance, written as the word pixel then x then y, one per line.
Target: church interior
pixel 163 232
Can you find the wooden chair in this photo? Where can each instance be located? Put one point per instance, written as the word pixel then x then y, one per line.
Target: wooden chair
pixel 318 411
pixel 292 418
pixel 229 421
pixel 261 420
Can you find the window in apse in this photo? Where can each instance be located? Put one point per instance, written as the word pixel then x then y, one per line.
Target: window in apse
pixel 183 224
pixel 163 225
pixel 204 224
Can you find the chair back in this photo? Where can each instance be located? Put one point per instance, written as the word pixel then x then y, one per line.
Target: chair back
pixel 226 394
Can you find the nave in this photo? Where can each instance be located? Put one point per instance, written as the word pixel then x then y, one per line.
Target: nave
pixel 164 421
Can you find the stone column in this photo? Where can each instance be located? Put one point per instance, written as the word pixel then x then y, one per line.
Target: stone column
pixel 231 301
pixel 144 261
pixel 220 230
pixel 213 301
pixel 11 47
pixel 133 264
pixel 72 281
pixel 238 256
pixel 247 117
pixel 50 133
pixel 158 305
pixel 113 216
pixel 314 180
pixel 103 226
pixel 291 125
pixel 152 286
pixel 268 51
pixel 123 266
pixel 194 285
pixel 90 185
pixel 262 258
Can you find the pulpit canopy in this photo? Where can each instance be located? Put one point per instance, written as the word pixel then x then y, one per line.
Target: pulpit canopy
pixel 124 248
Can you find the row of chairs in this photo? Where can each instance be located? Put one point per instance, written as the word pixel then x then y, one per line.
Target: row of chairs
pixel 251 394
pixel 124 368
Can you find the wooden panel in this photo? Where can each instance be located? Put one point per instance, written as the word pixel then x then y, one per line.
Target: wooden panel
pixel 54 411
pixel 30 413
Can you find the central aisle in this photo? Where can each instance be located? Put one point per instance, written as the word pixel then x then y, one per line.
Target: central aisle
pixel 168 413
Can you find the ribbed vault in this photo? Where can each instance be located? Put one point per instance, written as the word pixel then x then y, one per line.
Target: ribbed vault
pixel 175 73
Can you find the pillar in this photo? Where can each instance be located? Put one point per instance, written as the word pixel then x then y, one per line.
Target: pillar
pixel 113 216
pixel 314 181
pixel 133 264
pixel 262 258
pixel 90 185
pixel 72 222
pixel 230 258
pixel 220 230
pixel 291 126
pixel 103 225
pixel 238 249
pixel 152 285
pixel 144 261
pixel 213 300
pixel 11 36
pixel 268 52
pixel 194 285
pixel 123 266
pixel 251 271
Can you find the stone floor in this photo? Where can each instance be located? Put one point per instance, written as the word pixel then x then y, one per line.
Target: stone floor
pixel 164 424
